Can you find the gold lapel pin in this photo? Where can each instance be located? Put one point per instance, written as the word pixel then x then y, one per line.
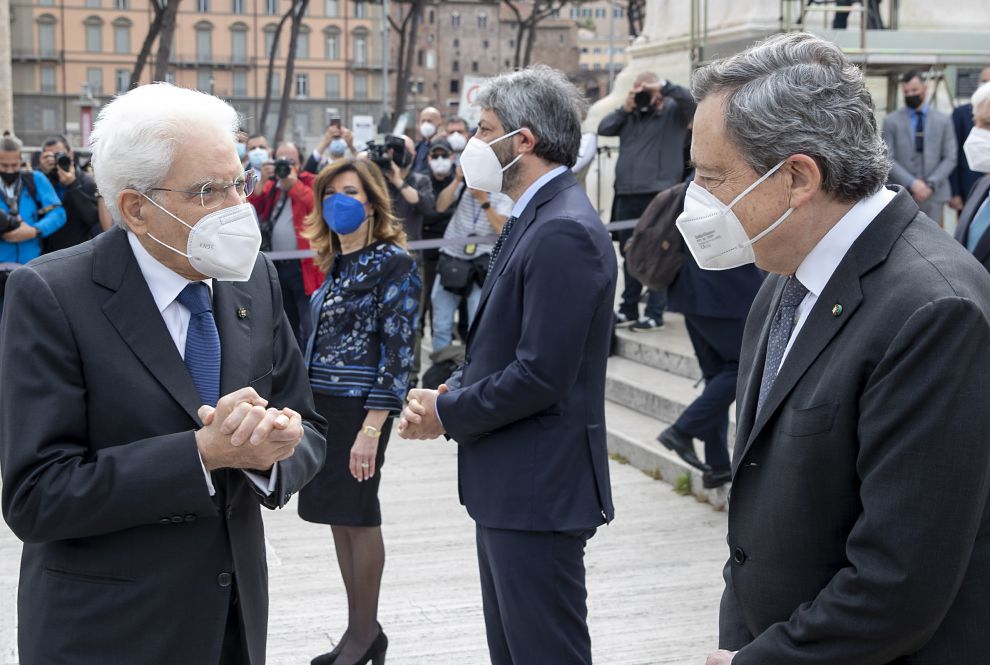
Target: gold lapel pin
pixel 836 309
pixel 241 313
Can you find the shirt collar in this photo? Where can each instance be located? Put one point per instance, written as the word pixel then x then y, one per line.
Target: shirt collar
pixel 165 284
pixel 517 210
pixel 923 109
pixel 818 267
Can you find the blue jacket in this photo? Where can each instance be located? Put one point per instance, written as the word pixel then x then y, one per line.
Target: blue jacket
pixel 963 178
pixel 528 408
pixel 53 220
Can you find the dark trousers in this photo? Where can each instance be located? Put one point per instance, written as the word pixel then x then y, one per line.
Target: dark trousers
pixel 631 206
pixel 295 302
pixel 234 650
pixel 873 20
pixel 716 344
pixel 534 596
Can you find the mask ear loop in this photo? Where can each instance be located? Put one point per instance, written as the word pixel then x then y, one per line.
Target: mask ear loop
pixel 155 203
pixel 756 184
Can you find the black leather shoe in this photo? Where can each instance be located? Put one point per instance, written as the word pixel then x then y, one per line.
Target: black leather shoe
pixel 715 478
pixel 682 445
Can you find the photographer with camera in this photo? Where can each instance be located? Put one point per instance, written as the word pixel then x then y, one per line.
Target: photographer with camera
pixel 75 189
pixel 283 205
pixel 462 269
pixel 412 199
pixel 29 210
pixel 652 127
pixel 337 143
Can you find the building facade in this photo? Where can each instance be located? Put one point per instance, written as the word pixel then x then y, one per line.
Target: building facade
pixel 459 38
pixel 64 49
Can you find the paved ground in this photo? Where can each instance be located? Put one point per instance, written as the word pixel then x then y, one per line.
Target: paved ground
pixel 653 574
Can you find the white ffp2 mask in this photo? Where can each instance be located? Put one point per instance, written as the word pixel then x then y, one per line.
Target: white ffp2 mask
pixel 714 234
pixel 480 164
pixel 223 244
pixel 977 149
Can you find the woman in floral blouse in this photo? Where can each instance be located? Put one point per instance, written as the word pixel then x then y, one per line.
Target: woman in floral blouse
pixel 359 358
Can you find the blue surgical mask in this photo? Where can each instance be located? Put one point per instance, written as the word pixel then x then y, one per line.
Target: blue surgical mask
pixel 338 148
pixel 257 157
pixel 241 150
pixel 343 214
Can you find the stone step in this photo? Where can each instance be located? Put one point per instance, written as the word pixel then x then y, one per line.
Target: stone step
pixel 653 392
pixel 632 439
pixel 668 349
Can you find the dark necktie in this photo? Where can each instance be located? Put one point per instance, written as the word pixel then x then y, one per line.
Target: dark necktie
pixel 780 334
pixel 202 355
pixel 919 131
pixel 506 230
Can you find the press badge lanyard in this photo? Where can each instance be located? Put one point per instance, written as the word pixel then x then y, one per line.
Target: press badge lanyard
pixel 471 248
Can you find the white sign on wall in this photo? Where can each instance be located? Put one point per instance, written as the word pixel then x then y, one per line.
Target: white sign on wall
pixel 468 108
pixel 363 127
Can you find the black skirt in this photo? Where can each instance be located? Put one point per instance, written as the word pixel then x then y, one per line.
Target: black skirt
pixel 334 496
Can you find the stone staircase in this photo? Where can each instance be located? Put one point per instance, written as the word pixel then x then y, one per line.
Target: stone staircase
pixel 650 381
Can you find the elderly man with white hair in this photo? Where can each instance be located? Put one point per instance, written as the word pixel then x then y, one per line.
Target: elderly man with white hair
pixel 153 397
pixel 974 220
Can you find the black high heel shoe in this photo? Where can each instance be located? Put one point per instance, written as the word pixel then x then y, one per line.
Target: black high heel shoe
pixel 376 652
pixel 328 658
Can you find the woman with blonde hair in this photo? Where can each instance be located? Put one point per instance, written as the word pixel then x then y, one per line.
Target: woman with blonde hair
pixel 359 356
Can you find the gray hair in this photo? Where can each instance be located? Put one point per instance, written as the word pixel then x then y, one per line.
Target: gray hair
pixel 798 94
pixel 544 101
pixel 136 136
pixel 10 144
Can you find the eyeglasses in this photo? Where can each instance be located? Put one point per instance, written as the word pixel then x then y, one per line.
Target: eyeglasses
pixel 213 194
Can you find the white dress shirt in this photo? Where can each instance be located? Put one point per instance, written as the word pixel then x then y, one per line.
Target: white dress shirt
pixel 818 267
pixel 165 286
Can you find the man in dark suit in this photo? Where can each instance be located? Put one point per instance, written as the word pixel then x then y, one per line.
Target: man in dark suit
pixel 527 408
pixel 859 529
pixel 714 305
pixel 974 219
pixel 963 178
pixel 134 440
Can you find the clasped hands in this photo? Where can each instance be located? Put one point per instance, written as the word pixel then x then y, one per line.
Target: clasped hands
pixel 243 433
pixel 419 419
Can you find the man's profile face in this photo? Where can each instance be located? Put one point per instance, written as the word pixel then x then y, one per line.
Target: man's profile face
pixel 721 169
pixel 204 156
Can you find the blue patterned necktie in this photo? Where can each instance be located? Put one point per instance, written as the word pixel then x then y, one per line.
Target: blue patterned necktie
pixel 506 230
pixel 202 355
pixel 780 334
pixel 919 131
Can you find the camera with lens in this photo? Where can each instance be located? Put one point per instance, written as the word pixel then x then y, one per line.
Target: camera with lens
pixel 8 222
pixel 379 153
pixel 283 168
pixel 63 161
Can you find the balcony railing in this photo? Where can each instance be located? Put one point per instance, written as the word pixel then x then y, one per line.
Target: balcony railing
pixel 36 55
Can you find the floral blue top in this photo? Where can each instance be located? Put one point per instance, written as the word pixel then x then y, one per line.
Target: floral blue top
pixel 366 327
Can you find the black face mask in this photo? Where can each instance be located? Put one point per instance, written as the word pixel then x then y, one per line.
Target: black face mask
pixel 10 178
pixel 913 101
pixel 642 101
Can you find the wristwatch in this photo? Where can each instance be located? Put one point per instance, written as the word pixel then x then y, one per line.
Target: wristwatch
pixel 486 205
pixel 371 432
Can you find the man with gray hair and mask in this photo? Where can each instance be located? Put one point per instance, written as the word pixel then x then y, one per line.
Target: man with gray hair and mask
pixel 859 529
pixel 152 397
pixel 528 406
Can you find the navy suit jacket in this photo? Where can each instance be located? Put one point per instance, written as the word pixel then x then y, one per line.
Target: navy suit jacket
pixel 528 408
pixel 963 178
pixel 719 294
pixel 977 195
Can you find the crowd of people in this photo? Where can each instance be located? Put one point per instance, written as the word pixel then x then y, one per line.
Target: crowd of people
pixel 235 379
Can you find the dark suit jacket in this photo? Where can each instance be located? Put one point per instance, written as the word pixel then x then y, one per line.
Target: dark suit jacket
pixel 719 294
pixel 858 525
pixel 530 415
pixel 102 480
pixel 977 195
pixel 963 178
